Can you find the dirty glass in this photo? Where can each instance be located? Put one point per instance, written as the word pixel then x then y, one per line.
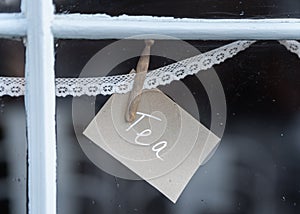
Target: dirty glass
pixel 13 147
pixel 10 6
pixel 254 170
pixel 188 8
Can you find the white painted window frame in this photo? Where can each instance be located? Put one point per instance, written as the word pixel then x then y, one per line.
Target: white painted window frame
pixel 38 26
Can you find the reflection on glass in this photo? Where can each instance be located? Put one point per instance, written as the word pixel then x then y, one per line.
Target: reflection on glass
pixel 9 6
pixel 187 8
pixel 255 169
pixel 12 134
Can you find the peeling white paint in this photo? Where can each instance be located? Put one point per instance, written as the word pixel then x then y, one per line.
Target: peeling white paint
pixel 40 108
pixel 12 25
pixel 102 26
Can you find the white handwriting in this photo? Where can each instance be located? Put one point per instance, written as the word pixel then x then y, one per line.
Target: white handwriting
pixel 158 147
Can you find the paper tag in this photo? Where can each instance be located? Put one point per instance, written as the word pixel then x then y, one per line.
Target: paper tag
pixel 164 145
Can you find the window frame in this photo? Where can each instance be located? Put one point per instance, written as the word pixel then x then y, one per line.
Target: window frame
pixel 39 26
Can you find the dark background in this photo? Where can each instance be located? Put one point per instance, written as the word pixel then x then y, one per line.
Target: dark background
pixel 186 8
pixel 13 146
pixel 9 6
pixel 255 169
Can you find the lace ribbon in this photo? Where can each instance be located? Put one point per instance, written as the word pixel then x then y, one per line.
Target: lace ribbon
pixel 161 76
pixel 291 45
pixel 14 86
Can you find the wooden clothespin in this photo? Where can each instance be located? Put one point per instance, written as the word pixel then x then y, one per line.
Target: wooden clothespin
pixel 137 89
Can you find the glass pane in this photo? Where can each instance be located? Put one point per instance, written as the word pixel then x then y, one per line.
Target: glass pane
pixel 254 170
pixel 13 147
pixel 9 6
pixel 187 8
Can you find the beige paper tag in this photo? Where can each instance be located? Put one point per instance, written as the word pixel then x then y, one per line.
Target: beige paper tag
pixel 164 145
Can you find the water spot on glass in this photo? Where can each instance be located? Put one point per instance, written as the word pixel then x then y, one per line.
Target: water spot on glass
pixel 2 105
pixel 117 183
pixel 66 12
pixel 93 202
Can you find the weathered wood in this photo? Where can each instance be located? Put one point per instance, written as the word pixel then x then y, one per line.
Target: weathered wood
pixel 137 89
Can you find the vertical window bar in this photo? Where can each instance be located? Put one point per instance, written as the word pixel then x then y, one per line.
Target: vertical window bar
pixel 23 6
pixel 40 107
